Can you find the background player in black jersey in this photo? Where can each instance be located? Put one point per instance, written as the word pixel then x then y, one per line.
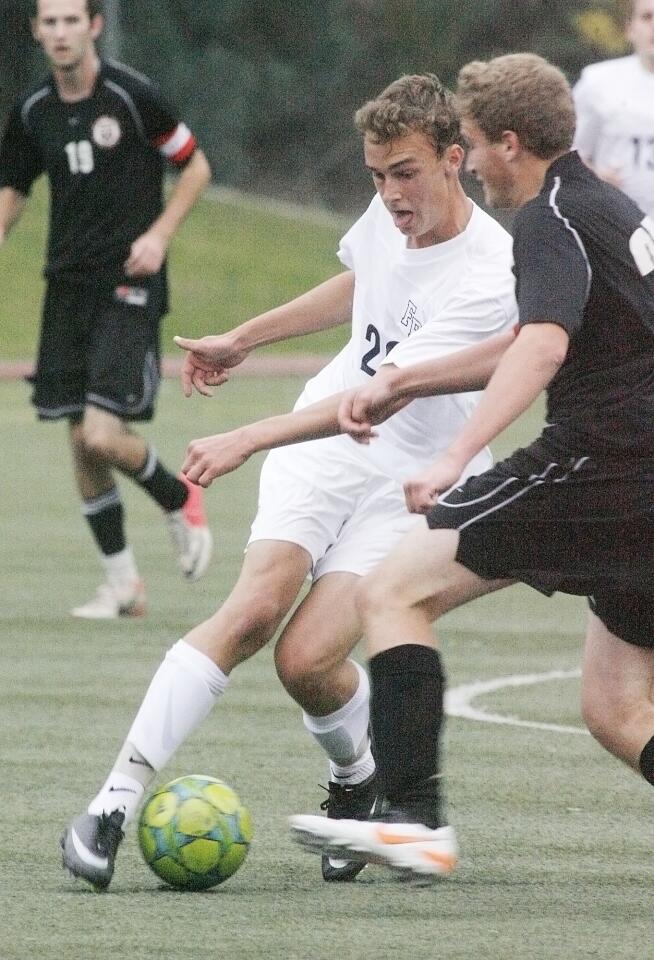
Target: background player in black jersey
pixel 571 512
pixel 102 133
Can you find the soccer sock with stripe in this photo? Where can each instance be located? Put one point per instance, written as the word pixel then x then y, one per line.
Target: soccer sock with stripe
pixel 343 735
pixel 406 711
pixel 164 487
pixel 104 515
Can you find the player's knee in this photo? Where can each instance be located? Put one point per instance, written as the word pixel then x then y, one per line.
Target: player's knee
pixel 371 597
pixel 99 442
pixel 259 620
pixel 606 714
pixel 303 668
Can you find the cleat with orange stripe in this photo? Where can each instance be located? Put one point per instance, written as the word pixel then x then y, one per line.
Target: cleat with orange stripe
pixel 413 848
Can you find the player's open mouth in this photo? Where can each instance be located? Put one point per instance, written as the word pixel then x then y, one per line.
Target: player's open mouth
pixel 402 218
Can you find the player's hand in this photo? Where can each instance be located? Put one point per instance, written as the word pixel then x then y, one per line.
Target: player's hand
pixel 349 422
pixel 212 457
pixel 360 410
pixel 207 362
pixel 147 255
pixel 422 492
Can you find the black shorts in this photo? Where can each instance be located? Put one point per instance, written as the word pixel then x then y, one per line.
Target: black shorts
pixel 99 345
pixel 578 525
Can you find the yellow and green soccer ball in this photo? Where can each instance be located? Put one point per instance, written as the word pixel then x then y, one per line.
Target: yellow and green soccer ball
pixel 194 832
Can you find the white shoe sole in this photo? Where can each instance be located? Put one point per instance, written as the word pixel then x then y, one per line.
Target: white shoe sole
pixel 408 847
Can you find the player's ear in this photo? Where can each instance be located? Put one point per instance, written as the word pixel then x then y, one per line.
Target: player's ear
pixel 511 145
pixel 455 155
pixel 97 25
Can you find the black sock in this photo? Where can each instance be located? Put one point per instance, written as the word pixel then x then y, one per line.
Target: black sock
pixel 647 761
pixel 406 713
pixel 168 490
pixel 105 518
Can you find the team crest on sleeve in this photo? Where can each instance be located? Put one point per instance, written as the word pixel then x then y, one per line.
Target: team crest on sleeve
pixel 106 132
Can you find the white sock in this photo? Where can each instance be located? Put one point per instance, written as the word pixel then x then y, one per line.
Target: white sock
pixel 119 792
pixel 120 567
pixel 181 694
pixel 343 735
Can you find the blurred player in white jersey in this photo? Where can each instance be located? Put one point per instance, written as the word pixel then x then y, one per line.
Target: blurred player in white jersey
pixel 427 275
pixel 614 101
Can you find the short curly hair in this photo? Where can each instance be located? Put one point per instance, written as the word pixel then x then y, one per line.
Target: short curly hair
pixel 415 102
pixel 521 92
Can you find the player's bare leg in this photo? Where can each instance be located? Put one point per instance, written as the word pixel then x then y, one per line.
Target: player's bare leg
pixel 312 658
pixel 617 696
pixel 418 582
pixel 271 577
pixel 311 655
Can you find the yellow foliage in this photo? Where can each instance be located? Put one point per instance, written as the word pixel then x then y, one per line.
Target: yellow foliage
pixel 603 31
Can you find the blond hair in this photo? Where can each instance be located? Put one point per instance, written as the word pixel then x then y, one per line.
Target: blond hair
pixel 415 102
pixel 521 92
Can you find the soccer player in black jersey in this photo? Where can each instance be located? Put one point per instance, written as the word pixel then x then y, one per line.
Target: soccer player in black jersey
pixel 102 133
pixel 574 511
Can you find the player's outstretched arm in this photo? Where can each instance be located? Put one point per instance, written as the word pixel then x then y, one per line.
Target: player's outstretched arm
pixel 327 305
pixel 523 372
pixel 12 204
pixel 215 456
pixel 148 251
pixel 393 387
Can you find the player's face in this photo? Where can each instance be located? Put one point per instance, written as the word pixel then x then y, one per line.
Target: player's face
pixel 418 187
pixel 65 31
pixel 640 30
pixel 488 163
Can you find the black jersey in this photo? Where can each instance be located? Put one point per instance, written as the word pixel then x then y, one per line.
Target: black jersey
pixel 104 156
pixel 584 259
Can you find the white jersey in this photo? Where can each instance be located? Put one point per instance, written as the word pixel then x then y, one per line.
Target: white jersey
pixel 412 305
pixel 614 100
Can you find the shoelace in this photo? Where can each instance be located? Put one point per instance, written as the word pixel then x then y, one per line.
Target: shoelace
pixel 110 833
pixel 334 794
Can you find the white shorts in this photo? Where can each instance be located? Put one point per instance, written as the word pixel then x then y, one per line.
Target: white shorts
pixel 326 498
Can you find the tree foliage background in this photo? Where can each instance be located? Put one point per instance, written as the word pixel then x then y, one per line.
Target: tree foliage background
pixel 270 86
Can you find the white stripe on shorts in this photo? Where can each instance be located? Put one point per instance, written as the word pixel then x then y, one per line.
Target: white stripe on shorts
pixel 534 480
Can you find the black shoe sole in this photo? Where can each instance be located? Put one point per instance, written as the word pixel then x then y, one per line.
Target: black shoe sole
pixel 345 874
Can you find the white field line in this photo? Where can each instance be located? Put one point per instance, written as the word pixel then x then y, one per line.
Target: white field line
pixel 458 700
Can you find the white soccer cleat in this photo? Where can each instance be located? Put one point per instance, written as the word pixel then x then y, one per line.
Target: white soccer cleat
pixel 409 847
pixel 190 534
pixel 113 600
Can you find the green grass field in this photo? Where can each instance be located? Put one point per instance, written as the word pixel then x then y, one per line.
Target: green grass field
pixel 555 835
pixel 231 260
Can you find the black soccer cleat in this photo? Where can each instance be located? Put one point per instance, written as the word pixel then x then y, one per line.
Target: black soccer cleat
pixel 89 846
pixel 357 801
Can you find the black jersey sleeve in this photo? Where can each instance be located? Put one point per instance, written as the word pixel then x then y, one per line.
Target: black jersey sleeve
pixel 552 269
pixel 20 158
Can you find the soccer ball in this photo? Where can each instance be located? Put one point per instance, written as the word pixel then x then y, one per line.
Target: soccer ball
pixel 194 832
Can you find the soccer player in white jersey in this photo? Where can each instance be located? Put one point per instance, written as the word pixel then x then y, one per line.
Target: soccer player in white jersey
pixel 614 101
pixel 427 275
